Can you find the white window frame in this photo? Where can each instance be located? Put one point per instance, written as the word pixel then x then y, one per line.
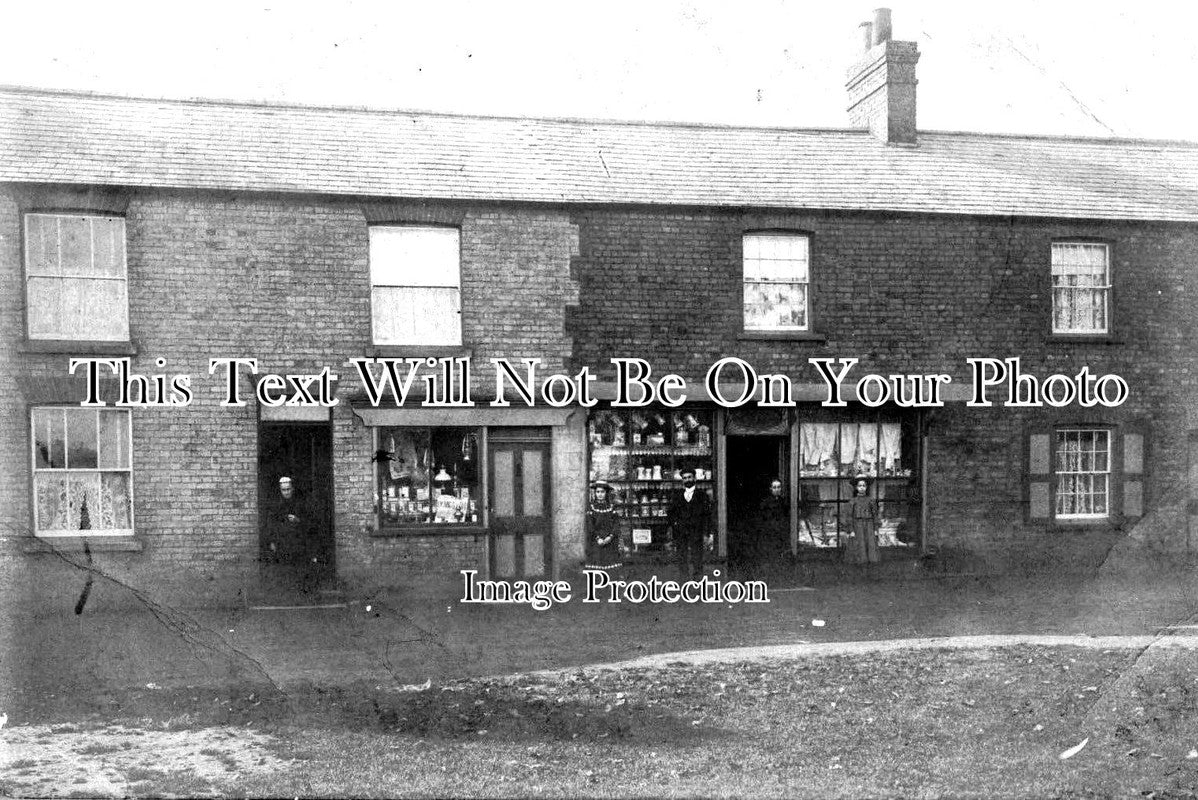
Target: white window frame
pixel 67 470
pixel 1060 271
pixel 1097 479
pixel 435 284
pixel 752 278
pixel 66 274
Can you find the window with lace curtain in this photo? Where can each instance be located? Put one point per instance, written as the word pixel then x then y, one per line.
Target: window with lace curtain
pixel 776 282
pixel 82 471
pixel 1083 472
pixel 1081 287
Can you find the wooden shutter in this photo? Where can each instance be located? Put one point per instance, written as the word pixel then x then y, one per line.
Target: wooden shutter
pixel 1039 463
pixel 1133 475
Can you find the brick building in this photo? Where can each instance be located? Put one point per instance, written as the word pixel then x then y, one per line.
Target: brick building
pixel 170 233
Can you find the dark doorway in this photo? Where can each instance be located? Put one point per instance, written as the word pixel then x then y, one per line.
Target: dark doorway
pixel 521 518
pixel 295 535
pixel 756 540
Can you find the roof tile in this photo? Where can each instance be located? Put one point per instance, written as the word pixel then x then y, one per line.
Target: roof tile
pixel 74 138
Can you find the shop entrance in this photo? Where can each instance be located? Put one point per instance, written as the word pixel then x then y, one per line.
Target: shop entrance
pixel 521 517
pixel 757 539
pixel 295 533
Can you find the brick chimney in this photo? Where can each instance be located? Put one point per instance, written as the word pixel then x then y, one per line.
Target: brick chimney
pixel 881 83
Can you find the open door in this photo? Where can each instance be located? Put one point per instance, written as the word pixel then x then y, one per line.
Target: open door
pixel 295 533
pixel 521 509
pixel 756 544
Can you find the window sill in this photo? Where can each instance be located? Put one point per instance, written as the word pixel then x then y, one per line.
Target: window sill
pixel 418 351
pixel 785 336
pixel 1083 338
pixel 74 544
pixel 79 348
pixel 396 531
pixel 1084 525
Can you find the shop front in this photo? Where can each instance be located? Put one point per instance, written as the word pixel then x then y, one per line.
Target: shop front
pixel 638 456
pixel 836 446
pixel 782 480
pixel 485 489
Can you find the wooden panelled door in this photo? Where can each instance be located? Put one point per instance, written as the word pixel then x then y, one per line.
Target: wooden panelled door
pixel 521 510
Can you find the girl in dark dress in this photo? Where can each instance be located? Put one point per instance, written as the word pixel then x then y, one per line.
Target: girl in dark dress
pixel 603 529
pixel 863 516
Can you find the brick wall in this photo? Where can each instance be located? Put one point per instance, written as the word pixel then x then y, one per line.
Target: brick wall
pixel 14 487
pixel 284 280
pixel 914 294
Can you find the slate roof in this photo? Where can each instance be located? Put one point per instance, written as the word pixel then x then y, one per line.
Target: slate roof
pixel 94 139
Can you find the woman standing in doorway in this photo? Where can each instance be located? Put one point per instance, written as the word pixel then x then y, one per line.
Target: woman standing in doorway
pixel 773 520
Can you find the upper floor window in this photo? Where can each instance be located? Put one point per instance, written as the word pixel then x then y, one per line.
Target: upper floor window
pixel 415 278
pixel 76 286
pixel 776 282
pixel 82 471
pixel 1083 473
pixel 1081 287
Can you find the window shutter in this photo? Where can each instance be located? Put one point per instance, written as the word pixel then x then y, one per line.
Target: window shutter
pixel 1039 462
pixel 1133 474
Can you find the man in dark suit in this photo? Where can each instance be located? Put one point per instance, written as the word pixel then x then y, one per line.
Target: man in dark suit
pixel 690 523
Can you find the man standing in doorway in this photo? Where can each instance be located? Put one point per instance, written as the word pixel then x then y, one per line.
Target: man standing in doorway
pixel 690 523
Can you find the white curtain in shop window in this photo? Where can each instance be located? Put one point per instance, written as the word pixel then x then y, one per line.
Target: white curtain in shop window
pixel 818 441
pixel 867 447
pixel 890 446
pixel 809 445
pixel 848 443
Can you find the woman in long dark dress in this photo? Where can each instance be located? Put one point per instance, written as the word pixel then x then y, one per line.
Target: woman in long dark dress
pixel 774 526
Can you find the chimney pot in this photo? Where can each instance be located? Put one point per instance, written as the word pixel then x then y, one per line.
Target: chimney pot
pixel 882 84
pixel 867 34
pixel 881 25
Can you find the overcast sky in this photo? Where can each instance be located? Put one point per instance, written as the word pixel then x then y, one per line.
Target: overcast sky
pixel 1023 67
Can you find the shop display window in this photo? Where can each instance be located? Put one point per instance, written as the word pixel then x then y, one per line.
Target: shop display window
pixel 428 476
pixel 641 455
pixel 834 451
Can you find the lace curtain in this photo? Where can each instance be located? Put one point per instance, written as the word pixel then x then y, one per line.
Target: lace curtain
pixel 830 449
